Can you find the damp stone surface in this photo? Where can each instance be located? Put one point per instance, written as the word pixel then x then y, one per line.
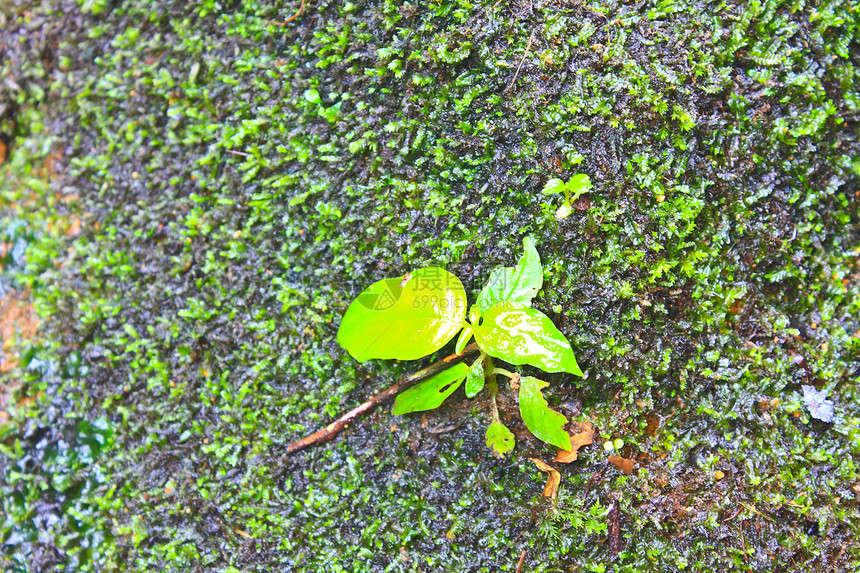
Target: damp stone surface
pixel 192 193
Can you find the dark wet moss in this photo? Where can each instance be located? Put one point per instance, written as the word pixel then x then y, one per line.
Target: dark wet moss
pixel 201 192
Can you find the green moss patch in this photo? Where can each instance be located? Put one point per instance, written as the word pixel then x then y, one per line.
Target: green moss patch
pixel 200 191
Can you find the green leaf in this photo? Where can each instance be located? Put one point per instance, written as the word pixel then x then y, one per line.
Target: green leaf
pixel 553 186
pixel 430 393
pixel 579 184
pixel 312 96
pixel 463 339
pixel 475 379
pixel 474 314
pixel 563 211
pixel 514 285
pixel 525 336
pixel 544 423
pixel 406 318
pixel 499 439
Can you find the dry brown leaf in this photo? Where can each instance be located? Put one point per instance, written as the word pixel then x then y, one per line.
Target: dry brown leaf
pixel 550 490
pixel 74 226
pixel 18 324
pixel 583 438
pixel 622 464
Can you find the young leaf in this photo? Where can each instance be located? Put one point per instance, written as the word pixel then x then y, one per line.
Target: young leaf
pixel 406 318
pixel 499 439
pixel 564 210
pixel 553 186
pixel 432 392
pixel 514 285
pixel 474 314
pixel 544 423
pixel 525 336
pixel 579 184
pixel 475 378
pixel 463 339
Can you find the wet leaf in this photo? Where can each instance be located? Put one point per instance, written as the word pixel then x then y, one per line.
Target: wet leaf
pixel 463 339
pixel 432 392
pixel 817 403
pixel 499 439
pixel 544 423
pixel 579 184
pixel 406 317
pixel 515 286
pixel 576 186
pixel 525 336
pixel 582 438
pixel 475 378
pixel 622 464
pixel 553 186
pixel 563 211
pixel 553 479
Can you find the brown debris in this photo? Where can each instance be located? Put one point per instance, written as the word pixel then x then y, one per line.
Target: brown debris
pixel 582 203
pixel 550 490
pixel 614 518
pixel 652 423
pixel 622 464
pixel 584 437
pixel 18 322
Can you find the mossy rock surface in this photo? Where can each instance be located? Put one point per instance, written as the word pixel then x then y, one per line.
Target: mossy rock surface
pixel 191 193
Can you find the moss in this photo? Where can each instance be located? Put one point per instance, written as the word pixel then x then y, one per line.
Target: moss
pixel 236 182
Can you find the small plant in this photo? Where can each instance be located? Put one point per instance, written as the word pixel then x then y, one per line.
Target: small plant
pixel 412 316
pixel 575 187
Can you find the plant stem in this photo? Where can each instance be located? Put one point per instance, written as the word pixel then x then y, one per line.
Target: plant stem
pixel 336 427
pixel 490 375
pixel 492 385
pixel 504 372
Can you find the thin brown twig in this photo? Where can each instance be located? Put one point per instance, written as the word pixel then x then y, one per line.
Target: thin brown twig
pixel 526 53
pixel 734 515
pixel 521 561
pixel 293 17
pixel 614 530
pixel 336 427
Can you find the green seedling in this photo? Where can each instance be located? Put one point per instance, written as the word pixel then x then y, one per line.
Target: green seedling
pixel 412 316
pixel 575 187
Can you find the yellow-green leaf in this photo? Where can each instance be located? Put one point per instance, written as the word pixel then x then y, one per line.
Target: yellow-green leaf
pixel 516 286
pixel 463 340
pixel 406 318
pixel 475 378
pixel 525 336
pixel 545 424
pixel 553 186
pixel 499 439
pixel 432 392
